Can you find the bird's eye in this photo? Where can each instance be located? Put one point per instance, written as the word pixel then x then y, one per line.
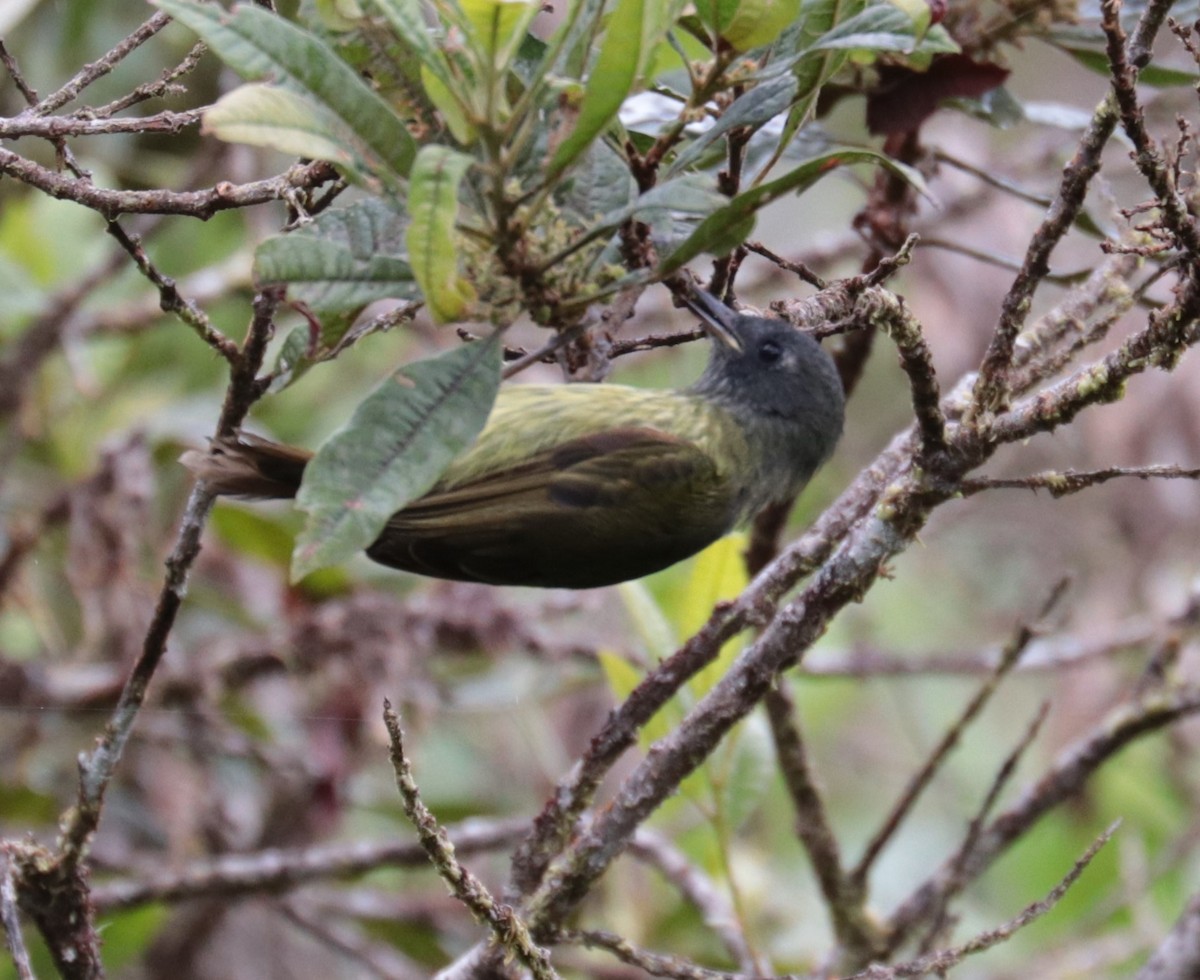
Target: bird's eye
pixel 769 351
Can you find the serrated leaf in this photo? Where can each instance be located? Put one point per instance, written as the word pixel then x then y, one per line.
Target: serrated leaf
pixel 729 227
pixel 346 258
pixel 432 239
pixel 398 443
pixel 261 46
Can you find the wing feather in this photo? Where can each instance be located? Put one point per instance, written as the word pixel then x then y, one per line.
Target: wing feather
pixel 591 511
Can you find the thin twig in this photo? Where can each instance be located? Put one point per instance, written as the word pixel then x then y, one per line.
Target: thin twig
pixel 56 127
pixel 11 920
pixel 1066 776
pixel 652 964
pixel 941 961
pixel 507 928
pixel 1004 774
pixel 276 870
pixel 374 959
pixel 1061 484
pixel 844 897
pixel 197 204
pixel 101 66
pixel 1013 651
pixel 696 887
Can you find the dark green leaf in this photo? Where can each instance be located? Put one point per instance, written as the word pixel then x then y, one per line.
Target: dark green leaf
pixel 393 450
pixel 753 108
pixel 345 259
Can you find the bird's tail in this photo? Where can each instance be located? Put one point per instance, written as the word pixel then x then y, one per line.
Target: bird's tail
pixel 248 466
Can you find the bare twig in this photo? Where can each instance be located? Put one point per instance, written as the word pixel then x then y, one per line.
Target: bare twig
pixel 1069 772
pixel 276 870
pixel 696 887
pixel 11 920
pixel 1013 651
pixel 56 127
pixel 653 964
pixel 1178 955
pixel 101 66
pixel 1004 774
pixel 375 959
pixel 508 931
pixel 197 204
pixel 844 896
pixel 1073 481
pixel 943 960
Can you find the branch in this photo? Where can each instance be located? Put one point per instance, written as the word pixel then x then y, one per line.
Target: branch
pixel 54 887
pixel 1065 778
pixel 652 964
pixel 56 127
pixel 101 67
pixel 1073 481
pixel 940 962
pixel 844 896
pixel 1013 651
pixel 275 870
pixel 694 886
pixel 509 932
pixel 201 204
pixel 1178 955
pixel 10 918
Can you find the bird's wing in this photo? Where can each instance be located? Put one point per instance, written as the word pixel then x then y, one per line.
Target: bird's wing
pixel 594 510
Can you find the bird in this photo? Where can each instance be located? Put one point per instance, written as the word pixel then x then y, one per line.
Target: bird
pixel 579 486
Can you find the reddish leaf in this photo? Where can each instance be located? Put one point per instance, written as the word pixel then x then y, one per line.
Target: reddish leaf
pixel 905 98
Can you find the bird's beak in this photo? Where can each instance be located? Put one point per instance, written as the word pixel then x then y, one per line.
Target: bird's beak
pixel 717 317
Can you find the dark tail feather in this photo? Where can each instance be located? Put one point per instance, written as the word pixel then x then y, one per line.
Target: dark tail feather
pixel 249 466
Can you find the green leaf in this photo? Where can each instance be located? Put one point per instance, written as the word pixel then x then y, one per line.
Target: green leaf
pixel 728 227
pixel 878 28
pixel 812 69
pixel 446 101
pixel 432 239
pixel 498 25
pixel 346 258
pixel 718 573
pixel 279 119
pixel 759 22
pixel 751 109
pixel 653 628
pixel 261 46
pixel 628 42
pixel 398 443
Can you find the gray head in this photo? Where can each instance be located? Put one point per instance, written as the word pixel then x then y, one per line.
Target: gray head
pixel 765 369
